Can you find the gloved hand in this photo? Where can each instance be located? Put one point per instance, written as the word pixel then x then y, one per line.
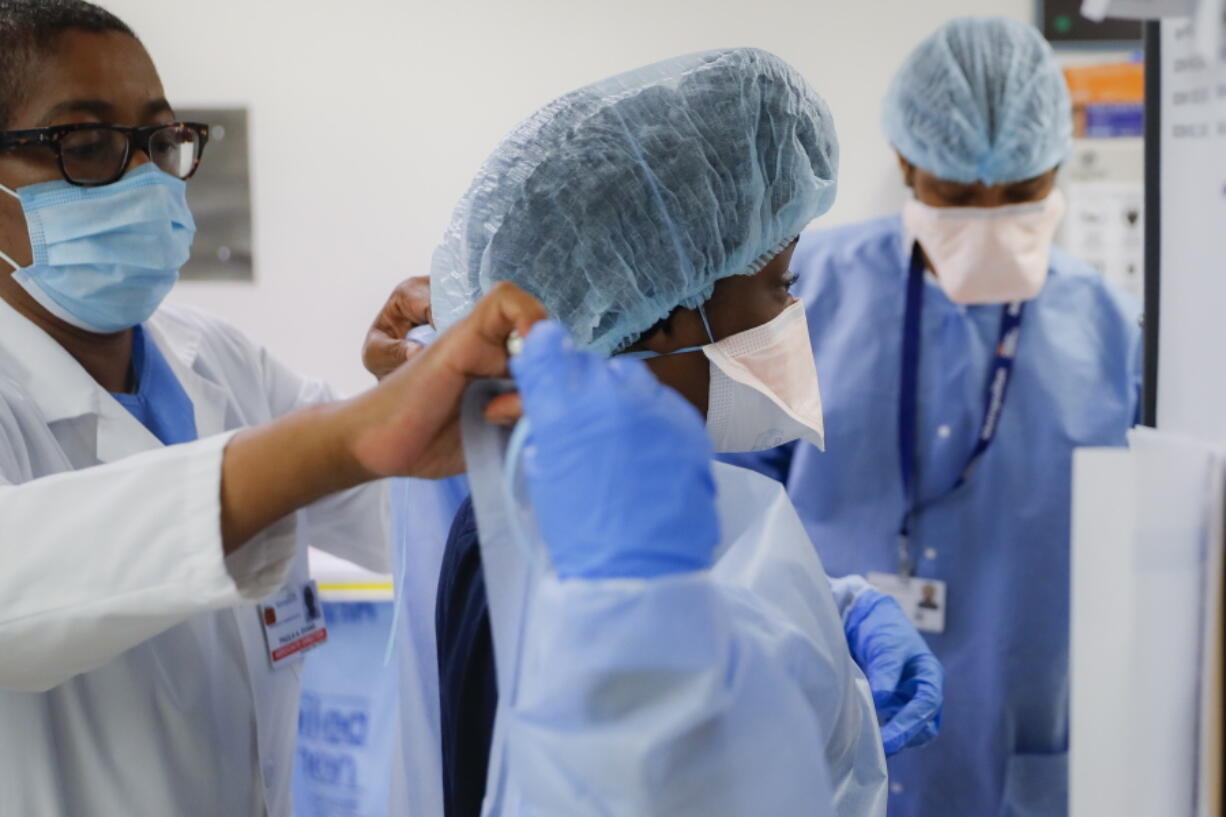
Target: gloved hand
pixel 618 466
pixel 906 679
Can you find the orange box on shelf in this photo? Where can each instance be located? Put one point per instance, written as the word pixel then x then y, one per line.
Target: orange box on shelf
pixel 1116 82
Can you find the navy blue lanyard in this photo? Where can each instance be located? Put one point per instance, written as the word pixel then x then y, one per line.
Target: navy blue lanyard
pixel 999 376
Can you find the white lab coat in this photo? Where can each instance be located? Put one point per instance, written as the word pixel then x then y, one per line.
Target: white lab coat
pixel 134 678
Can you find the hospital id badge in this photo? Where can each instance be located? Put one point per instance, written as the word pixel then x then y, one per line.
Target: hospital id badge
pixel 293 623
pixel 923 600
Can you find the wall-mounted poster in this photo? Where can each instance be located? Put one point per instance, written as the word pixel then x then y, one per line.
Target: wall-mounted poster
pixel 220 197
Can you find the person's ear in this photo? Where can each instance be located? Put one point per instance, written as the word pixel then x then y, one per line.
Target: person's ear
pixel 682 327
pixel 908 171
pixel 656 339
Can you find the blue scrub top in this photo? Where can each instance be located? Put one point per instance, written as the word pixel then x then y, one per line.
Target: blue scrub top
pixel 1002 540
pixel 160 402
pixel 468 686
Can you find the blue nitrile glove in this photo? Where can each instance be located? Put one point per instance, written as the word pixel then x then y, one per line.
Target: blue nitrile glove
pixel 906 678
pixel 618 466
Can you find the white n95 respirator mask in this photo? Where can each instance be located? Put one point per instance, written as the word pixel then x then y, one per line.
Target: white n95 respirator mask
pixel 764 389
pixel 987 255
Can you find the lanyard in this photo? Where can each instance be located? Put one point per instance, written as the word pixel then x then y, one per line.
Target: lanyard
pixel 999 375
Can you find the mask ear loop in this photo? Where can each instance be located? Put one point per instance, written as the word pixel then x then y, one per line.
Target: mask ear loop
pixel 5 258
pixel 647 354
pixel 3 255
pixel 702 313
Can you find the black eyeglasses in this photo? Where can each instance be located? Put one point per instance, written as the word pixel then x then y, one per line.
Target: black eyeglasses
pixel 91 155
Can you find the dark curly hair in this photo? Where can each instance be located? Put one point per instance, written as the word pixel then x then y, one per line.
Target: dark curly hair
pixel 28 29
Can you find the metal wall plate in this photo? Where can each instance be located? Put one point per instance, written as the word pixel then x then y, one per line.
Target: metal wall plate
pixel 220 197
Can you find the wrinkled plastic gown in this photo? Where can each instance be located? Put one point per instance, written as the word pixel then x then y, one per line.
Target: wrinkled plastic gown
pixel 717 694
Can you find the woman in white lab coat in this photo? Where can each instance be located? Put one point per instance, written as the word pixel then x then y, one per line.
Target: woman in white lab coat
pixel 138 523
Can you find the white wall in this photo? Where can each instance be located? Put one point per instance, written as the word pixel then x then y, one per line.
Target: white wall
pixel 370 116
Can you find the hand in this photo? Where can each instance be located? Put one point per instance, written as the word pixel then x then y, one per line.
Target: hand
pixel 618 466
pixel 408 307
pixel 906 679
pixel 409 425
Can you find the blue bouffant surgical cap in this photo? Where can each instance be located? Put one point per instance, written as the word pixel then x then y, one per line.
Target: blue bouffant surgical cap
pixel 982 100
pixel 624 200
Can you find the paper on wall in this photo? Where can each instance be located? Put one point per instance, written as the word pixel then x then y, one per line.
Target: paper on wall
pixel 1105 227
pixel 1191 384
pixel 1208 24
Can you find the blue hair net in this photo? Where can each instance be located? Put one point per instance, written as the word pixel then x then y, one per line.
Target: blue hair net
pixel 621 201
pixel 982 99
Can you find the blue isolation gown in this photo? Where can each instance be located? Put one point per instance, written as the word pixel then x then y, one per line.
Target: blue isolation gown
pixel 1001 541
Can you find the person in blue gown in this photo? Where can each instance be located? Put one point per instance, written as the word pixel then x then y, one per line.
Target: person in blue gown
pixel 963 358
pixel 655 213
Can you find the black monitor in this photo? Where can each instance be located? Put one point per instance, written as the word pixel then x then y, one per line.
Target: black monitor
pixel 1062 24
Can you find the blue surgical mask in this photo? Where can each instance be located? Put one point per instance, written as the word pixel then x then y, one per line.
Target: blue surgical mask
pixel 105 257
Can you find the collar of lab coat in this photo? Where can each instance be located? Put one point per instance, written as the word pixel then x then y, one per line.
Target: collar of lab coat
pixel 63 391
pixel 44 370
pixel 180 344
